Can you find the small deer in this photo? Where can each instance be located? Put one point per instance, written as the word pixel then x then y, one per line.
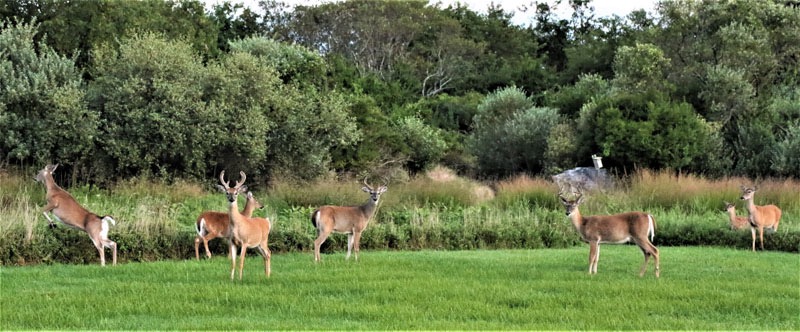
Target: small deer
pixel 68 211
pixel 211 225
pixel 617 228
pixel 737 222
pixel 760 216
pixel 247 231
pixel 351 220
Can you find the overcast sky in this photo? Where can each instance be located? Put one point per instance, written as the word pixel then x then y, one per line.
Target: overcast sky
pixel 602 7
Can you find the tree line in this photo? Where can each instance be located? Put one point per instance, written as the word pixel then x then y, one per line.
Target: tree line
pixel 171 89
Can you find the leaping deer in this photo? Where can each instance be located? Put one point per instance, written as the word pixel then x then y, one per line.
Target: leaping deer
pixel 761 216
pixel 68 211
pixel 351 220
pixel 248 232
pixel 737 222
pixel 617 228
pixel 211 225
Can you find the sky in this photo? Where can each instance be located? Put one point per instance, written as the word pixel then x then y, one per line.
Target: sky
pixel 602 7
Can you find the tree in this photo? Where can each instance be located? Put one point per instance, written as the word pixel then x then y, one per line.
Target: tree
pixel 154 117
pixel 510 134
pixel 43 115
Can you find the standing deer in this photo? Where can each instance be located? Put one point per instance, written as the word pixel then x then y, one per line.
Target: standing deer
pixel 248 232
pixel 68 211
pixel 617 228
pixel 351 220
pixel 761 216
pixel 211 225
pixel 737 222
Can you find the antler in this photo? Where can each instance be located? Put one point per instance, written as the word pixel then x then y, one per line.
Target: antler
pixel 222 180
pixel 367 184
pixel 241 182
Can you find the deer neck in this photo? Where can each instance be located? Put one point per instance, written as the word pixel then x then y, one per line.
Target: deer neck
pixel 233 212
pixel 50 183
pixel 577 219
pixel 751 207
pixel 248 209
pixel 732 214
pixel 369 208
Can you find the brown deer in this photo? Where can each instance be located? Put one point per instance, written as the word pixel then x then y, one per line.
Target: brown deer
pixel 760 216
pixel 248 232
pixel 68 211
pixel 617 228
pixel 736 222
pixel 211 225
pixel 351 220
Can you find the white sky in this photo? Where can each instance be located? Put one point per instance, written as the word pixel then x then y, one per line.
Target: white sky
pixel 602 7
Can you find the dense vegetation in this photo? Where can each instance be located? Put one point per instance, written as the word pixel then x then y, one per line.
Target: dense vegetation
pixel 437 211
pixel 700 288
pixel 171 90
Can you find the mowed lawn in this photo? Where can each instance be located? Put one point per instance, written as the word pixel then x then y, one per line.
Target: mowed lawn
pixel 699 288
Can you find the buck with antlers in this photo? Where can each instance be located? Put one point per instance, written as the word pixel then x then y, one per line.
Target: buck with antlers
pixel 737 222
pixel 68 211
pixel 211 225
pixel 760 216
pixel 351 220
pixel 248 232
pixel 617 228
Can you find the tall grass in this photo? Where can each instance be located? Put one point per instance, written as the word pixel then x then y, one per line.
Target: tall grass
pixel 550 289
pixel 433 211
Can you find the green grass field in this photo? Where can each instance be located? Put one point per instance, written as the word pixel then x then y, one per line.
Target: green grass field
pixel 700 288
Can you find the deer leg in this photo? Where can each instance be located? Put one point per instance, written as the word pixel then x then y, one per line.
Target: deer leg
pixel 593 248
pixel 350 237
pixel 761 236
pixel 323 235
pixel 264 250
pixel 233 258
pixel 206 238
pixel 197 247
pixel 241 260
pixel 357 243
pixel 753 232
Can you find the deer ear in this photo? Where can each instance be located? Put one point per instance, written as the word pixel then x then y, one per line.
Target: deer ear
pixel 382 189
pixel 365 189
pixel 221 188
pixel 242 189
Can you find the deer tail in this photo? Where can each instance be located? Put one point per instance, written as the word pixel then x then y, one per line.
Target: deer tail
pixel 651 226
pixel 315 218
pixel 201 226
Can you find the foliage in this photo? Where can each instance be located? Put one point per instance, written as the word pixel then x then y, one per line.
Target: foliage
pixel 296 64
pixel 510 135
pixel 632 132
pixel 43 115
pixel 154 119
pixel 426 145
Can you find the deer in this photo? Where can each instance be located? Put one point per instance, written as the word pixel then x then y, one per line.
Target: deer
pixel 760 216
pixel 616 228
pixel 211 225
pixel 69 212
pixel 249 232
pixel 737 222
pixel 351 220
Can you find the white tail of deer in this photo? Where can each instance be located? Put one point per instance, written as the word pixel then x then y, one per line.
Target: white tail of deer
pixel 211 225
pixel 761 216
pixel 67 210
pixel 351 220
pixel 736 222
pixel 248 232
pixel 617 228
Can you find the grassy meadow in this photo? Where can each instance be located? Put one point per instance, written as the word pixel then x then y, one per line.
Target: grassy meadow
pixel 700 288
